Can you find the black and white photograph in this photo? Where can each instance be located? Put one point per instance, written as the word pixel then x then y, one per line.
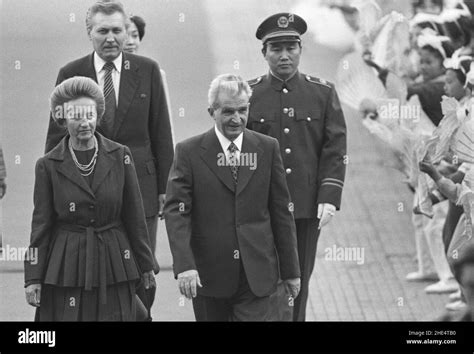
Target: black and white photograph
pixel 169 161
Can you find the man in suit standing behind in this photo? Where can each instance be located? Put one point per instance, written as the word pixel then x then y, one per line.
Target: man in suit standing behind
pixel 136 112
pixel 228 214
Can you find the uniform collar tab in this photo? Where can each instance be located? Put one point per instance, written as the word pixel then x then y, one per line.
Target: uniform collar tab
pixel 279 84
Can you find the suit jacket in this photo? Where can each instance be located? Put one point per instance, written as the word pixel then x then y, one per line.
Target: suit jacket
pixel 142 121
pixel 88 236
pixel 213 225
pixel 305 115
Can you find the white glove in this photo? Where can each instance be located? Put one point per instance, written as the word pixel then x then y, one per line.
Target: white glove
pixel 325 213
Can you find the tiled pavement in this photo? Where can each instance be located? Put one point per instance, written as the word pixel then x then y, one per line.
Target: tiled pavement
pixel 375 216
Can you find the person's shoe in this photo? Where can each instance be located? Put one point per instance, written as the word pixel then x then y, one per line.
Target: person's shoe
pixel 455 296
pixel 442 287
pixel 417 276
pixel 456 305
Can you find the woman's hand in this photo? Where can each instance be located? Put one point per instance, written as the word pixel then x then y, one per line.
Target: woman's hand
pixel 368 108
pixel 148 279
pixel 33 294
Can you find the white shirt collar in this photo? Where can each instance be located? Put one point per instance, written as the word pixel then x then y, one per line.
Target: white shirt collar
pixel 99 62
pixel 226 142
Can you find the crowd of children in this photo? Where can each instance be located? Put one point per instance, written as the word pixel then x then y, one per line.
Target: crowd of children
pixel 428 63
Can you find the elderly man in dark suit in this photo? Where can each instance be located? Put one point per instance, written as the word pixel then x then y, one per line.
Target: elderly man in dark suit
pixel 228 214
pixel 136 112
pixel 304 114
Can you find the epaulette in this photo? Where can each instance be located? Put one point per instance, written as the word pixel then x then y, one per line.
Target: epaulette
pixel 318 81
pixel 255 81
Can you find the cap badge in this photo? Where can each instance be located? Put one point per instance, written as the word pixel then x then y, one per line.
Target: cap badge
pixel 283 22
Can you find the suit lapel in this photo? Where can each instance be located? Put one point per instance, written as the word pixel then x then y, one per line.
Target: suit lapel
pixel 88 69
pixel 129 81
pixel 105 162
pixel 250 152
pixel 67 167
pixel 210 150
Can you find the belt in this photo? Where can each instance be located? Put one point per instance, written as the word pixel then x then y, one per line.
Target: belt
pixel 91 243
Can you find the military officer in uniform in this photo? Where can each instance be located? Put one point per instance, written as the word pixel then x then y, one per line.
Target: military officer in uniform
pixel 304 114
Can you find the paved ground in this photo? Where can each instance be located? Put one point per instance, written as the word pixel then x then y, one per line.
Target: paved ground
pixel 370 219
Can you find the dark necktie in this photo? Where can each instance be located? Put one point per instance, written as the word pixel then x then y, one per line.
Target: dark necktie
pixel 234 166
pixel 110 101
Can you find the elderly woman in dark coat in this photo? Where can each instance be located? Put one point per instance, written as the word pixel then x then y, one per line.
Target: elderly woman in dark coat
pixel 88 223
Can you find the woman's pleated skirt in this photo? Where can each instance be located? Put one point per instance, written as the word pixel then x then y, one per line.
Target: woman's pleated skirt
pixel 77 304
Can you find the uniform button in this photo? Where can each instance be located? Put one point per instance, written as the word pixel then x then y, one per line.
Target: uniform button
pixel 285 110
pixel 92 221
pixel 285 90
pixel 91 207
pixel 262 120
pixel 288 171
pixel 308 119
pixel 286 130
pixel 288 150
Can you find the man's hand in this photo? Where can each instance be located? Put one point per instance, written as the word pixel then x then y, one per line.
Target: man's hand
pixel 33 294
pixel 148 279
pixel 325 213
pixel 161 205
pixel 292 287
pixel 188 282
pixel 3 188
